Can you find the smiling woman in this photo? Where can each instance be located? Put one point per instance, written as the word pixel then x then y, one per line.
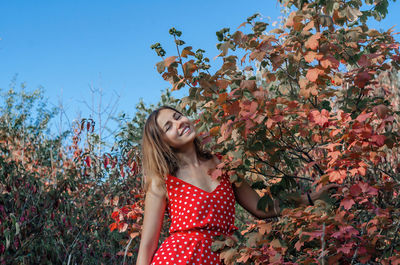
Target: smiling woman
pixel 178 130
pixel 176 171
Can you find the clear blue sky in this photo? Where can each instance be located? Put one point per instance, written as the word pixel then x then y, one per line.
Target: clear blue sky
pixel 65 46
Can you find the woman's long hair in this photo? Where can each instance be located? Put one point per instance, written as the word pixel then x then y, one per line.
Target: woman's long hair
pixel 158 158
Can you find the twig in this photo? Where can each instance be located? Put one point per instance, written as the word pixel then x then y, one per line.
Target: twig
pixel 126 250
pixel 322 256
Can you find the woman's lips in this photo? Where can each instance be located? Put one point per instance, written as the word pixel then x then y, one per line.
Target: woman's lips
pixel 185 130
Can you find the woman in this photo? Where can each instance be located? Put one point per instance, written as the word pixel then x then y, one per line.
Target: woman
pixel 176 171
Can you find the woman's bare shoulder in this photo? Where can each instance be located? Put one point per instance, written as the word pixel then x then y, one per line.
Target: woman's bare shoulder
pixel 156 186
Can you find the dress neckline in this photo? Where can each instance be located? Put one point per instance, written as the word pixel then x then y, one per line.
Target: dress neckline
pixel 198 188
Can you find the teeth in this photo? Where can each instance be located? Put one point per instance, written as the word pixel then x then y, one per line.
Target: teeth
pixel 185 130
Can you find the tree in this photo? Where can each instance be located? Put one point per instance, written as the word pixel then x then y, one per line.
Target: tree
pixel 316 101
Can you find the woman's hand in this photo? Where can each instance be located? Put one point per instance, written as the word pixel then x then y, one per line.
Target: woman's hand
pixel 316 195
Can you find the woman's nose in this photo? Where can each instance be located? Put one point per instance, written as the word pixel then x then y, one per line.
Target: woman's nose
pixel 179 124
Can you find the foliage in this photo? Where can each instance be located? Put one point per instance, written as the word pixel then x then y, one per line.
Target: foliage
pixel 49 201
pixel 312 102
pixel 57 194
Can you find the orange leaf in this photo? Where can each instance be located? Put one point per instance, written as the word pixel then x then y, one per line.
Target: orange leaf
pixel 329 61
pixel 168 61
pixel 187 51
pixel 310 56
pixel 337 176
pixel 265 228
pixel 222 83
pixel 312 42
pixel 133 235
pixel 313 73
pixel 309 26
pixel 222 98
pixel 113 226
pixel 214 131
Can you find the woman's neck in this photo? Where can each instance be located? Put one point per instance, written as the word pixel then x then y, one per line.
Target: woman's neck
pixel 188 156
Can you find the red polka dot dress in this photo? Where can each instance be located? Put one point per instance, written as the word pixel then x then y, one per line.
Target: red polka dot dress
pixel 196 217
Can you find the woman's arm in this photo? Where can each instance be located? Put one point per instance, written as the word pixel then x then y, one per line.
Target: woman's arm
pixel 155 204
pixel 248 199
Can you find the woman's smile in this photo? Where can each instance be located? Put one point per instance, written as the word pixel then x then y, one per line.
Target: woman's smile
pixel 186 129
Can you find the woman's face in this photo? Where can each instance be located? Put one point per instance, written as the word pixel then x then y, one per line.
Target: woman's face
pixel 178 129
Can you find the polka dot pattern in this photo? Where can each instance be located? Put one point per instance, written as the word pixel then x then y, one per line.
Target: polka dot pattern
pixel 196 217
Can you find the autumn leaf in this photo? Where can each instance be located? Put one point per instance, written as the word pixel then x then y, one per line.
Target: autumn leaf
pixel 337 176
pixel 320 118
pixel 113 226
pixel 381 111
pixel 310 56
pixel 169 60
pixel 329 62
pixel 313 73
pixel 363 117
pixel 346 248
pixel 312 42
pixel 347 203
pixel 228 256
pixel 187 51
pixel 362 79
pixel 122 227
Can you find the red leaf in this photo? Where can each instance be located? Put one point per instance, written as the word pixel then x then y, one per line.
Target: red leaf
pixel 381 111
pixel 106 161
pixel 363 61
pixel 113 226
pixel 355 190
pixel 115 215
pixel 362 79
pixel 88 161
pixel 378 139
pixel 347 203
pixel 320 118
pixel 346 248
pixel 298 245
pixel 363 116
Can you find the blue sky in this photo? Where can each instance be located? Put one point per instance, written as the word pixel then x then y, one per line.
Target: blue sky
pixel 68 46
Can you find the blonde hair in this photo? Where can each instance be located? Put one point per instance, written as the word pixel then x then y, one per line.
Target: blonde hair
pixel 158 158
